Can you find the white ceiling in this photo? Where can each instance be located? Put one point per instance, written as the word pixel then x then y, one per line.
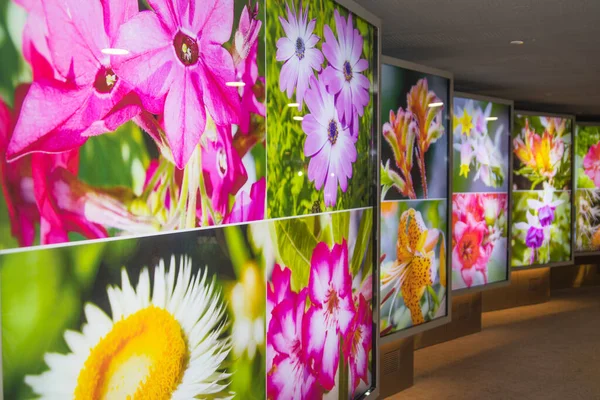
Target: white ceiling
pixel 556 70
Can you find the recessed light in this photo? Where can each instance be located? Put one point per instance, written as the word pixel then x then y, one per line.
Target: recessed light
pixel 433 105
pixel 114 52
pixel 297 118
pixel 235 84
pixel 517 42
pixel 294 105
pixel 491 119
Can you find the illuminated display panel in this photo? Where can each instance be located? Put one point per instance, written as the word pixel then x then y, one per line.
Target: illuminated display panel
pixel 189 207
pixel 480 200
pixel 542 190
pixel 415 104
pixel 587 185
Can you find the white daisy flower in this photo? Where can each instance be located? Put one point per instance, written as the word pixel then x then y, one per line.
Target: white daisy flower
pixel 167 343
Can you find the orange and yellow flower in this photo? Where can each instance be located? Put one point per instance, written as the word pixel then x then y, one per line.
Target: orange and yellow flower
pixel 400 133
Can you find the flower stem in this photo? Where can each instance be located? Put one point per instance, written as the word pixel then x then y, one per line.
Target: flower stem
pixel 423 172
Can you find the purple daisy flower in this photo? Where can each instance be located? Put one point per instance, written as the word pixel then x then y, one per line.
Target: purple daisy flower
pixel 343 76
pixel 328 143
pixel 298 51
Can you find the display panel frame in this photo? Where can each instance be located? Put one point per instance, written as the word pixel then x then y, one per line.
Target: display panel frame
pixel 373 392
pixel 511 104
pixel 413 330
pixel 361 12
pixel 570 117
pixel 578 254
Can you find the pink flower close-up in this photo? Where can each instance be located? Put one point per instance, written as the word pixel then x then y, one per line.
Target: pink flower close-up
pixel 291 375
pixel 330 291
pixel 591 164
pixel 249 207
pixel 87 98
pixel 224 172
pixel 179 67
pixel 16 180
pixel 247 72
pixel 358 344
pixel 328 143
pixel 343 76
pixel 469 255
pixel 35 44
pixel 278 290
pixel 297 49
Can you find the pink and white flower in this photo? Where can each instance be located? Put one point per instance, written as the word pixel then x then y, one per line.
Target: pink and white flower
pixel 358 344
pixel 179 67
pixel 297 49
pixel 591 164
pixel 328 143
pixel 249 207
pixel 291 375
pixel 88 98
pixel 330 291
pixel 343 76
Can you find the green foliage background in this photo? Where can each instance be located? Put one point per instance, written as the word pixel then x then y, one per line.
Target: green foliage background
pixel 290 193
pixel 559 249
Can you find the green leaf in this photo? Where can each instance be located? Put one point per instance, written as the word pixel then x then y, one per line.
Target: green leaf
pixel 296 243
pixel 114 159
pixel 362 241
pixel 340 223
pixel 238 249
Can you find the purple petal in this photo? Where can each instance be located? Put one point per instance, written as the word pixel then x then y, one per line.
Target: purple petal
pixel 330 190
pixel 285 49
pixel 318 167
pixel 316 137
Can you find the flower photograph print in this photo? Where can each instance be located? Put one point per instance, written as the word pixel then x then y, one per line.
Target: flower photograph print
pixel 121 117
pixel 320 82
pixel 415 127
pixel 542 152
pixel 413 264
pixel 481 134
pixel 541 227
pixel 176 316
pixel 587 181
pixel 479 239
pixel 320 328
pixel 542 190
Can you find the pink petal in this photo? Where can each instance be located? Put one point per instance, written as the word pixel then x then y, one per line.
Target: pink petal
pixel 468 275
pixel 117 12
pixel 151 64
pixel 360 66
pixel 330 361
pixel 211 19
pixel 44 110
pixel 166 12
pixel 346 313
pixel 185 118
pixel 75 37
pixel 320 274
pixel 222 101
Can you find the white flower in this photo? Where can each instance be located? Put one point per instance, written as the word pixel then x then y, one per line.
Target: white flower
pixel 487 153
pixel 164 343
pixel 546 200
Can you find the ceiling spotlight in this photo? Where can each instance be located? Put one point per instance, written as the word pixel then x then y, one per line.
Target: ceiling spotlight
pixel 235 84
pixel 434 105
pixel 491 119
pixel 297 118
pixel 293 105
pixel 517 42
pixel 114 52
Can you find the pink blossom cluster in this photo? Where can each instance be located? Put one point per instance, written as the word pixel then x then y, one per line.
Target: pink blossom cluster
pixel 98 64
pixel 336 96
pixel 476 227
pixel 309 332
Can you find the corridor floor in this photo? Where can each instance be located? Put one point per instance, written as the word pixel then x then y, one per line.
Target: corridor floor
pixel 546 351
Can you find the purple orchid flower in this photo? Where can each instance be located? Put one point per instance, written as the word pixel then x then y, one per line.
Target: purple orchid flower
pixel 298 51
pixel 330 291
pixel 343 76
pixel 328 143
pixel 534 238
pixel 179 67
pixel 89 98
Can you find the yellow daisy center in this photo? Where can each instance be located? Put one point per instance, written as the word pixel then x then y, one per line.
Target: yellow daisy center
pixel 142 357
